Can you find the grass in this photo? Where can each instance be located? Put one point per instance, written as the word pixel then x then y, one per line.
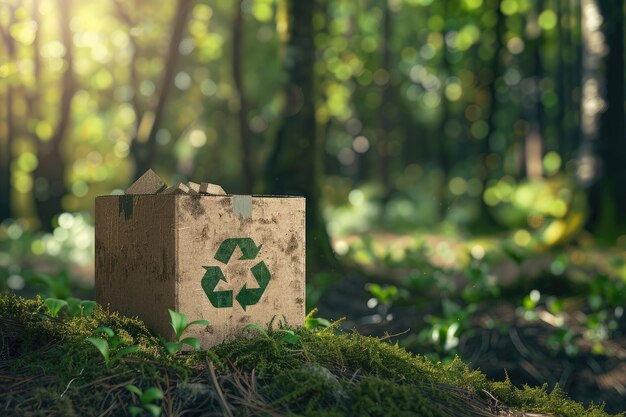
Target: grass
pixel 47 367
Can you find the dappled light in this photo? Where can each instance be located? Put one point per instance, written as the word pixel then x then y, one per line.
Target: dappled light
pixel 463 164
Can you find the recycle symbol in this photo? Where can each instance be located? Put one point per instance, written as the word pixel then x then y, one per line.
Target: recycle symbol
pixel 213 275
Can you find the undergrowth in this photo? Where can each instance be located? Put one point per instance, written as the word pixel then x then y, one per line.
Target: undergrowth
pixel 47 367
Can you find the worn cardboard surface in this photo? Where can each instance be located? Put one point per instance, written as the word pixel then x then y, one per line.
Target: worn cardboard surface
pixel 178 188
pixel 213 189
pixel 148 183
pixel 232 260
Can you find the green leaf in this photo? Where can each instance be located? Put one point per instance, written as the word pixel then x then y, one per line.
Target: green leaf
pixel 528 303
pixel 289 337
pixel 114 341
pixel 87 307
pixel 202 322
pixel 256 327
pixel 173 347
pixel 73 306
pixel 595 302
pixel 54 305
pixel 313 322
pixel 191 341
pixel 178 321
pixel 127 350
pixel 102 346
pixel 155 410
pixel 150 395
pixel 134 410
pixel 103 329
pixel 134 389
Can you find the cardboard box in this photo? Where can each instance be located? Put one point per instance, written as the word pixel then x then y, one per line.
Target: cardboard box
pixel 232 260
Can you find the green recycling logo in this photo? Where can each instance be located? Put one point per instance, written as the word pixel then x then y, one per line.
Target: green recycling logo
pixel 246 296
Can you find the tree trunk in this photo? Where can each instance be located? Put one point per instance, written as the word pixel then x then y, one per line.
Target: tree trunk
pixel 485 220
pixel 143 149
pixel 443 142
pixel 51 167
pixel 6 209
pixel 562 81
pixel 384 123
pixel 294 166
pixel 245 136
pixel 534 142
pixel 609 200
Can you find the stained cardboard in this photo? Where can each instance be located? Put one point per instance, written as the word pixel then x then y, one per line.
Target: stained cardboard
pixel 232 260
pixel 178 188
pixel 148 183
pixel 213 189
pixel 194 187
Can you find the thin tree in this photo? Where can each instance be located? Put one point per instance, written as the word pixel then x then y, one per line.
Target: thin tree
pixel 294 166
pixel 143 148
pixel 532 106
pixel 384 119
pixel 607 198
pixel 245 136
pixel 52 164
pixel 6 153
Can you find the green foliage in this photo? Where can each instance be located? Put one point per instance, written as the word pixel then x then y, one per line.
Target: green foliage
pixel 108 347
pixel 77 307
pixel 443 332
pixel 383 294
pixel 311 322
pixel 147 399
pixel 285 335
pixel 55 305
pixel 74 306
pixel 326 373
pixel 57 286
pixel 68 248
pixel 482 284
pixel 179 324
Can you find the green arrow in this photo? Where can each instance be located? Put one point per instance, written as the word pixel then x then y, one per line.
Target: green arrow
pixel 249 296
pixel 247 246
pixel 218 299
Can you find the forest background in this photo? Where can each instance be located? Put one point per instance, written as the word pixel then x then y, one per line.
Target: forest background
pixel 463 160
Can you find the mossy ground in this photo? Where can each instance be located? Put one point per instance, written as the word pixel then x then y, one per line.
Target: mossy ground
pixel 48 368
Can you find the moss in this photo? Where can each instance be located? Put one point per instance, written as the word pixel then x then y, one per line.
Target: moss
pixel 541 400
pixel 326 373
pixel 378 398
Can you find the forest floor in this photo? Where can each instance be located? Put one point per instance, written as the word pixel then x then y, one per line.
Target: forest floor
pixel 63 362
pixel 552 316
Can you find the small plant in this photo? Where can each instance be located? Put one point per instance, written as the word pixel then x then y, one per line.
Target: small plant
pixel 55 305
pixel 382 299
pixel 108 347
pixel 287 336
pixel 444 332
pixel 563 339
pixel 147 400
pixel 482 283
pixel 179 324
pixel 80 308
pixel 75 306
pixel 384 294
pixel 530 304
pixel 57 286
pixel 311 322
